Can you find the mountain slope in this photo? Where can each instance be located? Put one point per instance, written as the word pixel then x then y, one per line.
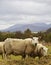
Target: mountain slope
pixel 49 30
pixel 36 27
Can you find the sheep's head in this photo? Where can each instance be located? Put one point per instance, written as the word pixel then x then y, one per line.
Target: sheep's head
pixel 43 51
pixel 35 41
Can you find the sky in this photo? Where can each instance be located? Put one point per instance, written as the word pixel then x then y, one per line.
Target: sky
pixel 24 12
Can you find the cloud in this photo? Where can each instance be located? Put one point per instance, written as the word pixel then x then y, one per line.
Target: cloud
pixel 22 7
pixel 24 11
pixel 4 25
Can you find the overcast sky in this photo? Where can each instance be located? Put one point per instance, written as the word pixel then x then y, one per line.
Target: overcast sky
pixel 24 11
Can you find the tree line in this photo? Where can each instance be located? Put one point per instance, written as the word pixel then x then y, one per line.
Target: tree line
pixel 18 34
pixel 26 34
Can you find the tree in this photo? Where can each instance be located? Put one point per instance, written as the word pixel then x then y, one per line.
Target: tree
pixel 27 33
pixel 19 34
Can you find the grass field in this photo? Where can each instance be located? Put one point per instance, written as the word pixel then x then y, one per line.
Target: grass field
pixel 49 50
pixel 17 60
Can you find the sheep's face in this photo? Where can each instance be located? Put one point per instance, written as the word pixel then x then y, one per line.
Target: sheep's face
pixel 44 51
pixel 35 40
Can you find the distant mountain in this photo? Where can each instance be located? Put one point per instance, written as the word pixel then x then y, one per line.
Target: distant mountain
pixel 35 27
pixel 49 30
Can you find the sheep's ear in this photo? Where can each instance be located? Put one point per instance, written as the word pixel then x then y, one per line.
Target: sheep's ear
pixel 32 38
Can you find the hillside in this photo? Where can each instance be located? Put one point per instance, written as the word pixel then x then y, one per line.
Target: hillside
pixel 35 27
pixel 49 30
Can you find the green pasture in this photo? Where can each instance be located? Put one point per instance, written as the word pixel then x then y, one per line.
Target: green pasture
pixel 49 49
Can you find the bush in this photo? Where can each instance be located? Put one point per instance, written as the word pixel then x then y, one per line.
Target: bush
pixel 43 36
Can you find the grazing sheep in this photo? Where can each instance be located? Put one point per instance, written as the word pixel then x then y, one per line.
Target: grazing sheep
pixel 24 47
pixel 1 49
pixel 18 47
pixel 40 51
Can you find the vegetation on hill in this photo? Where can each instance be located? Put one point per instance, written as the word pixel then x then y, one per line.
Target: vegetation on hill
pixel 43 36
